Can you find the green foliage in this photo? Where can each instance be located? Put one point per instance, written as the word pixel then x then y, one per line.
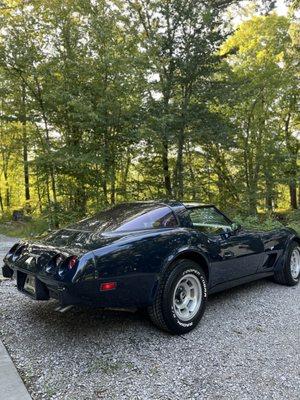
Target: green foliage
pixel 293 220
pixel 266 222
pixel 258 222
pixel 103 102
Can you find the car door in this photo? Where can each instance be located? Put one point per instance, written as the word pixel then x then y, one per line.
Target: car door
pixel 233 253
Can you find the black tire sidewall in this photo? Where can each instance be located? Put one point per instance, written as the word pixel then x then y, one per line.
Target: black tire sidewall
pixel 288 271
pixel 179 270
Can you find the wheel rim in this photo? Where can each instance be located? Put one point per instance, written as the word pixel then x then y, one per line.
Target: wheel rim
pixel 295 263
pixel 187 297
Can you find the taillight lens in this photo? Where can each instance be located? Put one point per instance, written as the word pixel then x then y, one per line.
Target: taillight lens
pixel 13 249
pixel 59 259
pixel 104 287
pixel 72 262
pixel 19 251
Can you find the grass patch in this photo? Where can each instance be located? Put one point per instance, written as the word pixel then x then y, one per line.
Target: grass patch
pixel 24 229
pixel 109 366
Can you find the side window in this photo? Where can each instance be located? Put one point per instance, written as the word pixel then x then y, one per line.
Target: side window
pixel 209 220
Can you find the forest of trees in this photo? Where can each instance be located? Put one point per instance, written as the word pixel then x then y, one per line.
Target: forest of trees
pixel 110 101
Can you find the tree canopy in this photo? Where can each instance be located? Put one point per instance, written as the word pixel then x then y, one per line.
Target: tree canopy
pixel 110 101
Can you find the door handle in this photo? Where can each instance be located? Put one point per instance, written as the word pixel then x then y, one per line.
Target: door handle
pixel 228 254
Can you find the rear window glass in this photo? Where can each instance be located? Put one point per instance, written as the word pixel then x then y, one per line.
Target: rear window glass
pixel 129 217
pixel 153 219
pixel 121 218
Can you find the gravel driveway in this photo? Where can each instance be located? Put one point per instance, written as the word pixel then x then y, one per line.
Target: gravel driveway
pixel 246 347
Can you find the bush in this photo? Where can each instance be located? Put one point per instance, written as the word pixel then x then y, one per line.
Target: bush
pixel 293 220
pixel 262 222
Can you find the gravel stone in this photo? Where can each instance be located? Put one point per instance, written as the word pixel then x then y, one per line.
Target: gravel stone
pixel 247 346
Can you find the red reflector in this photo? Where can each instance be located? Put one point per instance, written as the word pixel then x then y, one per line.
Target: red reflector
pixel 108 286
pixel 72 262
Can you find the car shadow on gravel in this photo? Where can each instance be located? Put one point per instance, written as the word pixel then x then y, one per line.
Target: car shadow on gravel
pixel 86 321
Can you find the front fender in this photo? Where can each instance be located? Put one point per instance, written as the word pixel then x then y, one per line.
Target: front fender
pixel 292 235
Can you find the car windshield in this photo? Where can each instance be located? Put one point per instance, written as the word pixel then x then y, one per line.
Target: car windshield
pixel 121 218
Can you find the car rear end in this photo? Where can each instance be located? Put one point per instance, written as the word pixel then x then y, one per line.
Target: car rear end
pixel 43 272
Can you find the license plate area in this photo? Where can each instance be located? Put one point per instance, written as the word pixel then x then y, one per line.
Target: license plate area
pixel 31 286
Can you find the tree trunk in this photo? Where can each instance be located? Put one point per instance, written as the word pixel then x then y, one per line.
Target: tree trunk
pixel 25 144
pixel 124 175
pixel 80 197
pixel 293 153
pixel 113 184
pixel 179 166
pixel 269 199
pixel 166 170
pixel 7 190
pixel 39 194
pixel 269 187
pixel 293 195
pixel 113 192
pixel 192 173
pixel 40 99
pixel 180 145
pixel 1 203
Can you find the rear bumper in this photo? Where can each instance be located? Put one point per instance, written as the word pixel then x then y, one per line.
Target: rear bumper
pixel 45 289
pixel 131 291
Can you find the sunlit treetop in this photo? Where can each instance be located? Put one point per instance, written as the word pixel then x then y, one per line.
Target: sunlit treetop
pixel 262 38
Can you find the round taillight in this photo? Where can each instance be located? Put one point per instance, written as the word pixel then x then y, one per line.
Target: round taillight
pixel 72 262
pixel 12 250
pixel 19 251
pixel 58 260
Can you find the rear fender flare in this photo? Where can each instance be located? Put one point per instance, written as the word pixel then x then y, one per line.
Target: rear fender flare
pixel 189 253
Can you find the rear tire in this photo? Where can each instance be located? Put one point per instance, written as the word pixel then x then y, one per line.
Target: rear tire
pixel 7 272
pixel 290 274
pixel 181 298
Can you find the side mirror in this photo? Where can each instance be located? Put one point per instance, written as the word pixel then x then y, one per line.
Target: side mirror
pixel 235 227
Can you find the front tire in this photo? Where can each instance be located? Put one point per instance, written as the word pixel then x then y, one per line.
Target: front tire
pixel 290 274
pixel 181 298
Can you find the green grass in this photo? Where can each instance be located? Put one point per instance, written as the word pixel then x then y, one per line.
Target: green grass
pixel 24 229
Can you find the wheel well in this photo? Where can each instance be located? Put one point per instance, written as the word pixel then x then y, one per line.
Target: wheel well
pixel 196 257
pixel 297 240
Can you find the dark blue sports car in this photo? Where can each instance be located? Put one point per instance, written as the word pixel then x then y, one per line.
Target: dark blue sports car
pixel 166 257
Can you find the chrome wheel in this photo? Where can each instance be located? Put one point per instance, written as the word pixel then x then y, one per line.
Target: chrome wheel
pixel 187 297
pixel 295 263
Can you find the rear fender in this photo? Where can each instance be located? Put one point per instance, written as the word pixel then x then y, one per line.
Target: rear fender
pixel 86 269
pixel 188 252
